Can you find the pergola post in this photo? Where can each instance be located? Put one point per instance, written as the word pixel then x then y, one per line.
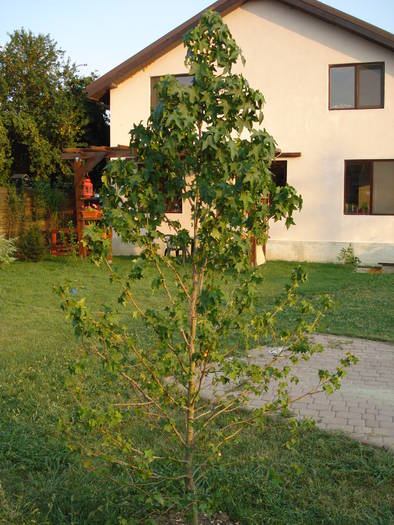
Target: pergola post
pixel 83 161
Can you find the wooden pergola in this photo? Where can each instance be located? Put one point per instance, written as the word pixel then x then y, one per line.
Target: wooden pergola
pixel 84 160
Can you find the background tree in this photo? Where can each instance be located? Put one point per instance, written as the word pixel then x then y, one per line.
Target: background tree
pixel 43 106
pixel 205 143
pixel 5 154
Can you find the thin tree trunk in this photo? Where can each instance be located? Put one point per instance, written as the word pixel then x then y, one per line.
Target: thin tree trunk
pixel 191 398
pixel 190 484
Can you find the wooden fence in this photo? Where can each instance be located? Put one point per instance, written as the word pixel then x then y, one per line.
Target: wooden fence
pixel 14 222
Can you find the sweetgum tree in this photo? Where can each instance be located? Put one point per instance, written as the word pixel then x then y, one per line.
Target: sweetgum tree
pixel 205 143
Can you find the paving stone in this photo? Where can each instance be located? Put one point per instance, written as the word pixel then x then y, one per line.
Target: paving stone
pixel 363 407
pixel 388 442
pixel 342 413
pixel 385 422
pixel 356 422
pixel 371 423
pixel 362 430
pixel 370 416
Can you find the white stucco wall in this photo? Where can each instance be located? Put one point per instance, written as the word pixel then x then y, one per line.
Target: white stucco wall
pixel 287 57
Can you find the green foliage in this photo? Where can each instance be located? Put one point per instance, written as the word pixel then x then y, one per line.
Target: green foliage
pixel 347 256
pixel 31 244
pixel 16 209
pixel 5 155
pixel 7 250
pixel 43 483
pixel 211 130
pixel 68 238
pixel 43 104
pixel 204 142
pixel 50 199
pixel 96 129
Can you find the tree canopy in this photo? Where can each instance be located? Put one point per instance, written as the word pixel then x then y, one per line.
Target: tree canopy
pixel 43 106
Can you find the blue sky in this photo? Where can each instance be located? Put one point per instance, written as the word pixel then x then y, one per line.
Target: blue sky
pixel 103 33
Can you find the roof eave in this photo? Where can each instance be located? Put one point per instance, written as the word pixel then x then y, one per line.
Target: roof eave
pixel 97 89
pixel 100 87
pixel 345 21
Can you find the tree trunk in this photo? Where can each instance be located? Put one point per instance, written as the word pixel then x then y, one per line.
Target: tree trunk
pixel 190 484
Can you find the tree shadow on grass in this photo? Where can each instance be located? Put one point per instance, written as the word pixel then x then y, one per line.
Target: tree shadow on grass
pixel 42 482
pixel 325 478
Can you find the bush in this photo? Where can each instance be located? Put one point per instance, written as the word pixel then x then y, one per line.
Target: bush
pixel 7 250
pixel 31 244
pixel 347 256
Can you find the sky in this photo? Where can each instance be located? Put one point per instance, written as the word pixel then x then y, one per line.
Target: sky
pixel 104 33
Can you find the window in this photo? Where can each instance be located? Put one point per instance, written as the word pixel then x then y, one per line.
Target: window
pixel 174 205
pixel 279 171
pixel 185 80
pixel 357 86
pixel 369 187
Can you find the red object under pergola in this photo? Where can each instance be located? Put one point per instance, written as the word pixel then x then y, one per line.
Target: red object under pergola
pixel 83 161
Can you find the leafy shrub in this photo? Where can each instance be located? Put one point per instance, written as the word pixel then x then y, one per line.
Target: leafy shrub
pixel 347 256
pixel 7 250
pixel 31 244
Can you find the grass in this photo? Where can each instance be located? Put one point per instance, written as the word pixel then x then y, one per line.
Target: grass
pixel 326 478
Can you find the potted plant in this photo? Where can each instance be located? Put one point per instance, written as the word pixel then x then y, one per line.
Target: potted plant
pixel 364 208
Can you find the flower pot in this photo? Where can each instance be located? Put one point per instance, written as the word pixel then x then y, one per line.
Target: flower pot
pixel 91 215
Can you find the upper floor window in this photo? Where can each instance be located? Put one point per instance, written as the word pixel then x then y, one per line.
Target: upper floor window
pixel 369 187
pixel 185 80
pixel 357 86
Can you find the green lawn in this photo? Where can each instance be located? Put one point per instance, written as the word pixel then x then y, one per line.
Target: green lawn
pixel 327 478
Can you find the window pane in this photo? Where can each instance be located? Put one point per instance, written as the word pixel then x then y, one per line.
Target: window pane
pixel 357 187
pixel 185 80
pixel 174 205
pixel 279 171
pixel 383 187
pixel 342 87
pixel 154 99
pixel 370 86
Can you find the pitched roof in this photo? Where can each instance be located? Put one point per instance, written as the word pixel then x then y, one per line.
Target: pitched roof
pixel 100 87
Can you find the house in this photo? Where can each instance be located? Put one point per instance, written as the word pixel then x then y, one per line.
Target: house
pixel 328 81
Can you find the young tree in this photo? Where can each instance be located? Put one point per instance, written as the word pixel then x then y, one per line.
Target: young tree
pixel 205 143
pixel 43 105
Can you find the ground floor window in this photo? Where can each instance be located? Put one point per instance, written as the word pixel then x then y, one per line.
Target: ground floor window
pixel 279 171
pixel 369 187
pixel 174 205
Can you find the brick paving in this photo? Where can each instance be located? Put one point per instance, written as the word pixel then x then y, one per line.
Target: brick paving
pixel 363 407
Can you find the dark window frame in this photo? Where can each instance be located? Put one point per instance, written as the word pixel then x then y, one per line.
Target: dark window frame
pixel 357 66
pixel 371 174
pixel 280 173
